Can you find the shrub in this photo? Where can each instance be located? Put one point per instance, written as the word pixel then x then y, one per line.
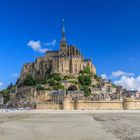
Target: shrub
pixel 81 72
pixel 29 81
pixel 39 87
pixel 51 82
pixel 87 94
pixel 66 77
pixel 58 86
pixel 55 76
pixel 74 81
pixel 72 88
pixel 44 81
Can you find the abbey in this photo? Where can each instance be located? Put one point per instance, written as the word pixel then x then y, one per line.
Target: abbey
pixel 66 61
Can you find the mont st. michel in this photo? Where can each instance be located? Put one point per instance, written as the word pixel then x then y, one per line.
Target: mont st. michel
pixel 65 80
pixel 76 79
pixel 68 60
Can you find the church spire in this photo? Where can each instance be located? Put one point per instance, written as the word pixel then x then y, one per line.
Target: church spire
pixel 63 39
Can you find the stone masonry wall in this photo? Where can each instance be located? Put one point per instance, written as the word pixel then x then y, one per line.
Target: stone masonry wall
pixel 49 106
pixel 132 105
pixel 99 105
pixel 92 105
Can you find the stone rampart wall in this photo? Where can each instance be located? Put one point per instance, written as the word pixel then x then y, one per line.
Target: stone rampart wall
pixel 132 105
pixel 92 105
pixel 109 105
pixel 100 105
pixel 49 106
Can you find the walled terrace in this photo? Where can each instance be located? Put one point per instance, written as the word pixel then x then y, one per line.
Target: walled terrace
pixel 70 100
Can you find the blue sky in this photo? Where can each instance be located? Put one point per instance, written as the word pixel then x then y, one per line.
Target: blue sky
pixel 106 30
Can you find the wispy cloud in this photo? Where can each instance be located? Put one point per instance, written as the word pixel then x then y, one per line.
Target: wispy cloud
pixel 36 46
pixel 52 43
pixel 120 73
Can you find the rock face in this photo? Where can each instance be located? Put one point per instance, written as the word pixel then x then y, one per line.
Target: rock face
pixel 67 60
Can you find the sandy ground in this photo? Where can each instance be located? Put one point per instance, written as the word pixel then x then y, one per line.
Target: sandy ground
pixel 122 126
pixel 69 126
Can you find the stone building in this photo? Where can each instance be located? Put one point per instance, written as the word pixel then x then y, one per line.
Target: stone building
pixel 66 61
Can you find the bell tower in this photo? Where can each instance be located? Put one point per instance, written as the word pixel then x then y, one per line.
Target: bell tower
pixel 63 42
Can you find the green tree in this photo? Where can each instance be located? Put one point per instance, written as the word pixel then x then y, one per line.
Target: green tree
pixel 29 81
pixel 86 94
pixel 86 89
pixel 87 70
pixel 84 80
pixel 6 95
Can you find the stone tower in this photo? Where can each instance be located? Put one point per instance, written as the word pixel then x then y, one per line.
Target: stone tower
pixel 63 42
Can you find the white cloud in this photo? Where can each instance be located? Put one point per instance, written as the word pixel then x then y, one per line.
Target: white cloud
pixel 104 76
pixel 36 46
pixel 1 84
pixel 52 43
pixel 14 75
pixel 121 73
pixel 129 83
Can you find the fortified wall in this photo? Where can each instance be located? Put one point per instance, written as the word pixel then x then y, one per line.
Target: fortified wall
pixel 132 104
pixel 51 101
pixel 92 105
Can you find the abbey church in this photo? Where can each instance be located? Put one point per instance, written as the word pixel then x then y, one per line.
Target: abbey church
pixel 66 61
